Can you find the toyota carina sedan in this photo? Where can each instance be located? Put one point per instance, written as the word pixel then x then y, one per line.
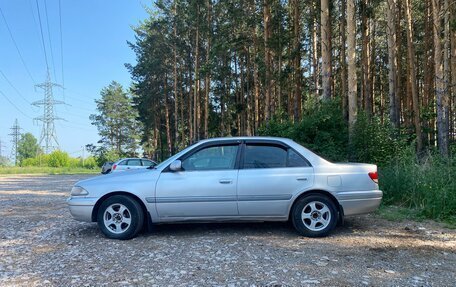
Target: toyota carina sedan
pixel 230 179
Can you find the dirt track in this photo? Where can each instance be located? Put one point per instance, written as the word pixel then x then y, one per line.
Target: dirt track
pixel 40 244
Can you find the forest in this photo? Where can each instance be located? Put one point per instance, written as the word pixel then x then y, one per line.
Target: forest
pixel 353 80
pixel 210 68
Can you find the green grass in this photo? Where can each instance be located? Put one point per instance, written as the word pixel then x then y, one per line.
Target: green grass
pixel 46 170
pixel 398 214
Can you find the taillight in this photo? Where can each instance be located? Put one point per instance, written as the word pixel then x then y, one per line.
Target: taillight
pixel 374 176
pixel 114 167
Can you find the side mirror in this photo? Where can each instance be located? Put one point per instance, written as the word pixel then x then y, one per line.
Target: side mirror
pixel 176 165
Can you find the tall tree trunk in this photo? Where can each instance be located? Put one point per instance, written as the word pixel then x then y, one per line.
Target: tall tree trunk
pixel 392 63
pixel 176 93
pixel 399 76
pixel 315 65
pixel 256 82
pixel 343 59
pixel 453 73
pixel 326 50
pixel 297 61
pixel 190 102
pixel 167 121
pixel 207 80
pixel 267 59
pixel 428 69
pixel 366 79
pixel 412 79
pixel 446 59
pixel 441 95
pixel 352 79
pixel 196 95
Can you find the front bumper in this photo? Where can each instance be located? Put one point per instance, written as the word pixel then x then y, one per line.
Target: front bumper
pixel 81 207
pixel 359 202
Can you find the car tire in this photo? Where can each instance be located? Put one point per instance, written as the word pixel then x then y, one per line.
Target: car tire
pixel 108 171
pixel 314 216
pixel 120 217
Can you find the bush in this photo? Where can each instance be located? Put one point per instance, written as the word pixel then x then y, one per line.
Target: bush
pixel 322 130
pixel 90 162
pixel 59 159
pixel 374 141
pixel 40 160
pixel 427 185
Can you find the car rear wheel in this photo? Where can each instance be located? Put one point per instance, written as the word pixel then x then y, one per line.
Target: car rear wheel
pixel 314 216
pixel 120 217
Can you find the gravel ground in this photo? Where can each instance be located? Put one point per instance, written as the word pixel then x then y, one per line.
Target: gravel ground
pixel 41 245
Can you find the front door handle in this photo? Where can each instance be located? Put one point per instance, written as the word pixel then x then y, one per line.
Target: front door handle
pixel 302 179
pixel 226 181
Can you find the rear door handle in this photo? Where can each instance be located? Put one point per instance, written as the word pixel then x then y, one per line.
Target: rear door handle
pixel 226 181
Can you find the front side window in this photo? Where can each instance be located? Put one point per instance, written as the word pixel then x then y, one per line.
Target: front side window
pixel 212 158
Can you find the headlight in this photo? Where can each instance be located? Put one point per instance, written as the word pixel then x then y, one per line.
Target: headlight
pixel 77 190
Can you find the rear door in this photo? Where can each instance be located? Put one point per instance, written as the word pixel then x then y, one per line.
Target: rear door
pixel 271 173
pixel 205 187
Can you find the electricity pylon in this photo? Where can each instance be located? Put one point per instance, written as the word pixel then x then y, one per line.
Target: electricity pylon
pixel 48 138
pixel 15 136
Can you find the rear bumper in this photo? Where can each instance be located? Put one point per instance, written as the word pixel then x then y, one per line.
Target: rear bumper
pixel 359 202
pixel 81 207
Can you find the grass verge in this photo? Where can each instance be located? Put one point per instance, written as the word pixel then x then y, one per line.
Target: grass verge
pixel 398 214
pixel 46 170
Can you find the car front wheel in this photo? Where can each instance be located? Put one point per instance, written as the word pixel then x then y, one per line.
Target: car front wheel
pixel 120 217
pixel 314 216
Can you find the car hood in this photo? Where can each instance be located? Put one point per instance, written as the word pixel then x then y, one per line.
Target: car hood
pixel 124 176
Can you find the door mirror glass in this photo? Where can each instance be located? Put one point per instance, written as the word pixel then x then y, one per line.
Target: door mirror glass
pixel 176 165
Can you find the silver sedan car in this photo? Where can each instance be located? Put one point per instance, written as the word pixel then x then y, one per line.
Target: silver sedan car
pixel 230 179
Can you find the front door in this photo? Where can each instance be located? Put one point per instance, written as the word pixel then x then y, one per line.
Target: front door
pixel 205 187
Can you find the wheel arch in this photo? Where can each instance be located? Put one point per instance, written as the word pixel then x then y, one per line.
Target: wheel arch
pixel 106 196
pixel 339 207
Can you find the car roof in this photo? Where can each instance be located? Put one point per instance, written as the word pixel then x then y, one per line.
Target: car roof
pixel 221 139
pixel 127 158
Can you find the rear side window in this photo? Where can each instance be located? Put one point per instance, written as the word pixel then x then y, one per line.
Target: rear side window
pixel 295 160
pixel 134 162
pixel 265 156
pixel 272 156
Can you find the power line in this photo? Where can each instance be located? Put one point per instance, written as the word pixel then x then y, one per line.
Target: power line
pixel 19 110
pixel 17 91
pixel 74 127
pixel 17 48
pixel 42 37
pixel 49 36
pixel 61 47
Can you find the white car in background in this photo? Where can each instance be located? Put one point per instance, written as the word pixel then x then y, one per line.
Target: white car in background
pixel 132 163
